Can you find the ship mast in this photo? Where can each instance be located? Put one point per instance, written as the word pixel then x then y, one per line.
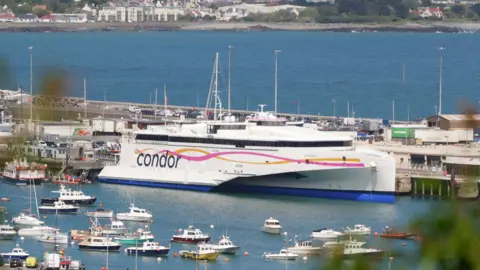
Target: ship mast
pixel 213 92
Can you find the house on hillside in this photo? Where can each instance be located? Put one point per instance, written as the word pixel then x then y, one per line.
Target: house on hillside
pixel 428 12
pixel 7 17
pixel 27 18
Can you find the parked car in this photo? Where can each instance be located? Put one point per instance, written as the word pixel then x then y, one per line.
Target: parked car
pixel 15 263
pixel 31 262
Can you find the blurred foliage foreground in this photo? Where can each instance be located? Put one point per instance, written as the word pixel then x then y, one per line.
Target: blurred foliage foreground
pixel 449 235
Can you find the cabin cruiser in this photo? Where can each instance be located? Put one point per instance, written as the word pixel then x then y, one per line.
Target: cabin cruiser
pixel 355 249
pixel 58 207
pixel 191 236
pixel 24 219
pixel 138 237
pixel 7 232
pixel 358 229
pixel 272 226
pixel 116 227
pixel 326 233
pixel 135 214
pixel 53 238
pixel 22 173
pixel 36 231
pixel 99 244
pixel 101 213
pixel 262 154
pixel 148 249
pixel 70 196
pixel 305 247
pixel 16 253
pixel 225 246
pixel 204 252
pixel 336 244
pixel 284 254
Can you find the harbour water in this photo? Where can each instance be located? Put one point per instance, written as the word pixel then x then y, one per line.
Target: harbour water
pixel 314 68
pixel 240 215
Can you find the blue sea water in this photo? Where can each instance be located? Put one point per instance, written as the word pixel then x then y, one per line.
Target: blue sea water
pixel 314 68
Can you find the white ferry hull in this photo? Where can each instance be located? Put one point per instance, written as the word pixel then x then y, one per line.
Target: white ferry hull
pixel 329 173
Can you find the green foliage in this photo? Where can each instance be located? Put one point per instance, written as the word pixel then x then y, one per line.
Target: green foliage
pixel 22 10
pixel 40 12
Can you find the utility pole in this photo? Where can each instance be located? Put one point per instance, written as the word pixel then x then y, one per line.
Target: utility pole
pixel 440 82
pixel 276 78
pixel 403 73
pixel 156 103
pixel 85 97
pixel 30 49
pixel 393 111
pixel 229 75
pixel 348 109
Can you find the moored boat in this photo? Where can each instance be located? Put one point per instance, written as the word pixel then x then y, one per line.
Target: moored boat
pixel 58 207
pixel 135 214
pixel 191 235
pixel 116 227
pixel 16 253
pixel 36 231
pixel 53 238
pixel 326 233
pixel 22 173
pixel 148 249
pixel 358 229
pixel 69 196
pixel 99 244
pixel 272 226
pixel 7 232
pixel 101 213
pixel 284 254
pixel 225 246
pixel 356 249
pixel 388 232
pixel 304 247
pixel 137 237
pixel 204 252
pixel 24 219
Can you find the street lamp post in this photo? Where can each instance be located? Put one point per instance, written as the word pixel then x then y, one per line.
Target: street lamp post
pixel 229 74
pixel 276 77
pixel 440 81
pixel 30 49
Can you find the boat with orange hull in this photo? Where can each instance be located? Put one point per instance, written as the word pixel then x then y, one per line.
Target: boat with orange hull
pixel 388 232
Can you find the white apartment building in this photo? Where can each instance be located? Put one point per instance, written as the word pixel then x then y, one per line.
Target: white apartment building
pixel 139 14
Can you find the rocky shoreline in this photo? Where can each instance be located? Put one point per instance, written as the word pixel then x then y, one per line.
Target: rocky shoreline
pixel 239 26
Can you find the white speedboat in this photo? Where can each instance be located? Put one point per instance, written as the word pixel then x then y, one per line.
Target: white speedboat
pixel 59 207
pixel 326 233
pixel 272 226
pixel 148 249
pixel 356 249
pixel 7 232
pixel 284 254
pixel 16 253
pixel 135 214
pixel 36 231
pixel 191 236
pixel 29 220
pixel 358 229
pixel 99 244
pixel 225 246
pixel 101 213
pixel 53 238
pixel 116 227
pixel 305 247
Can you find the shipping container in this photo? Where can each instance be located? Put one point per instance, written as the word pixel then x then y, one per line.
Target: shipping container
pixel 403 133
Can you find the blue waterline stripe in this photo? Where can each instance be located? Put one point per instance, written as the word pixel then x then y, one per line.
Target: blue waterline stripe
pixel 329 194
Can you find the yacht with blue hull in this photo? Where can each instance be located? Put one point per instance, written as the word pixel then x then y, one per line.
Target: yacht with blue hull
pixel 261 154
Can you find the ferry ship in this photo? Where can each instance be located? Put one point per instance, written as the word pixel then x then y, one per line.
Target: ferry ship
pixel 262 154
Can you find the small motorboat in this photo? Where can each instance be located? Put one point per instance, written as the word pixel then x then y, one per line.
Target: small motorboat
pixel 225 246
pixel 16 253
pixel 58 207
pixel 24 219
pixel 137 237
pixel 388 232
pixel 148 249
pixel 69 196
pixel 335 244
pixel 358 229
pixel 326 233
pixel 205 252
pixel 79 234
pixel 36 231
pixel 304 247
pixel 272 226
pixel 53 238
pixel 191 236
pixel 97 243
pixel 356 249
pixel 135 214
pixel 284 254
pixel 116 227
pixel 7 232
pixel 101 213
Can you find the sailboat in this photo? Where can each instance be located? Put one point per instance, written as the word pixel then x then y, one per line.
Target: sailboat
pixel 29 219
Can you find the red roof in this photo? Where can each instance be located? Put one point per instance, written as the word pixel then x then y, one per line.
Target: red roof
pixel 48 17
pixel 7 16
pixel 434 10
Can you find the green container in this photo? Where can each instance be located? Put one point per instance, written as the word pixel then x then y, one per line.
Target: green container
pixel 405 133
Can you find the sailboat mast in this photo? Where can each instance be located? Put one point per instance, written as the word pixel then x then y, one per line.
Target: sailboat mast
pixel 31 183
pixel 36 202
pixel 215 89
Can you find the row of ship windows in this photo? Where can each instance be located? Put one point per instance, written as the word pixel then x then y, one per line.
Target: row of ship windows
pixel 242 143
